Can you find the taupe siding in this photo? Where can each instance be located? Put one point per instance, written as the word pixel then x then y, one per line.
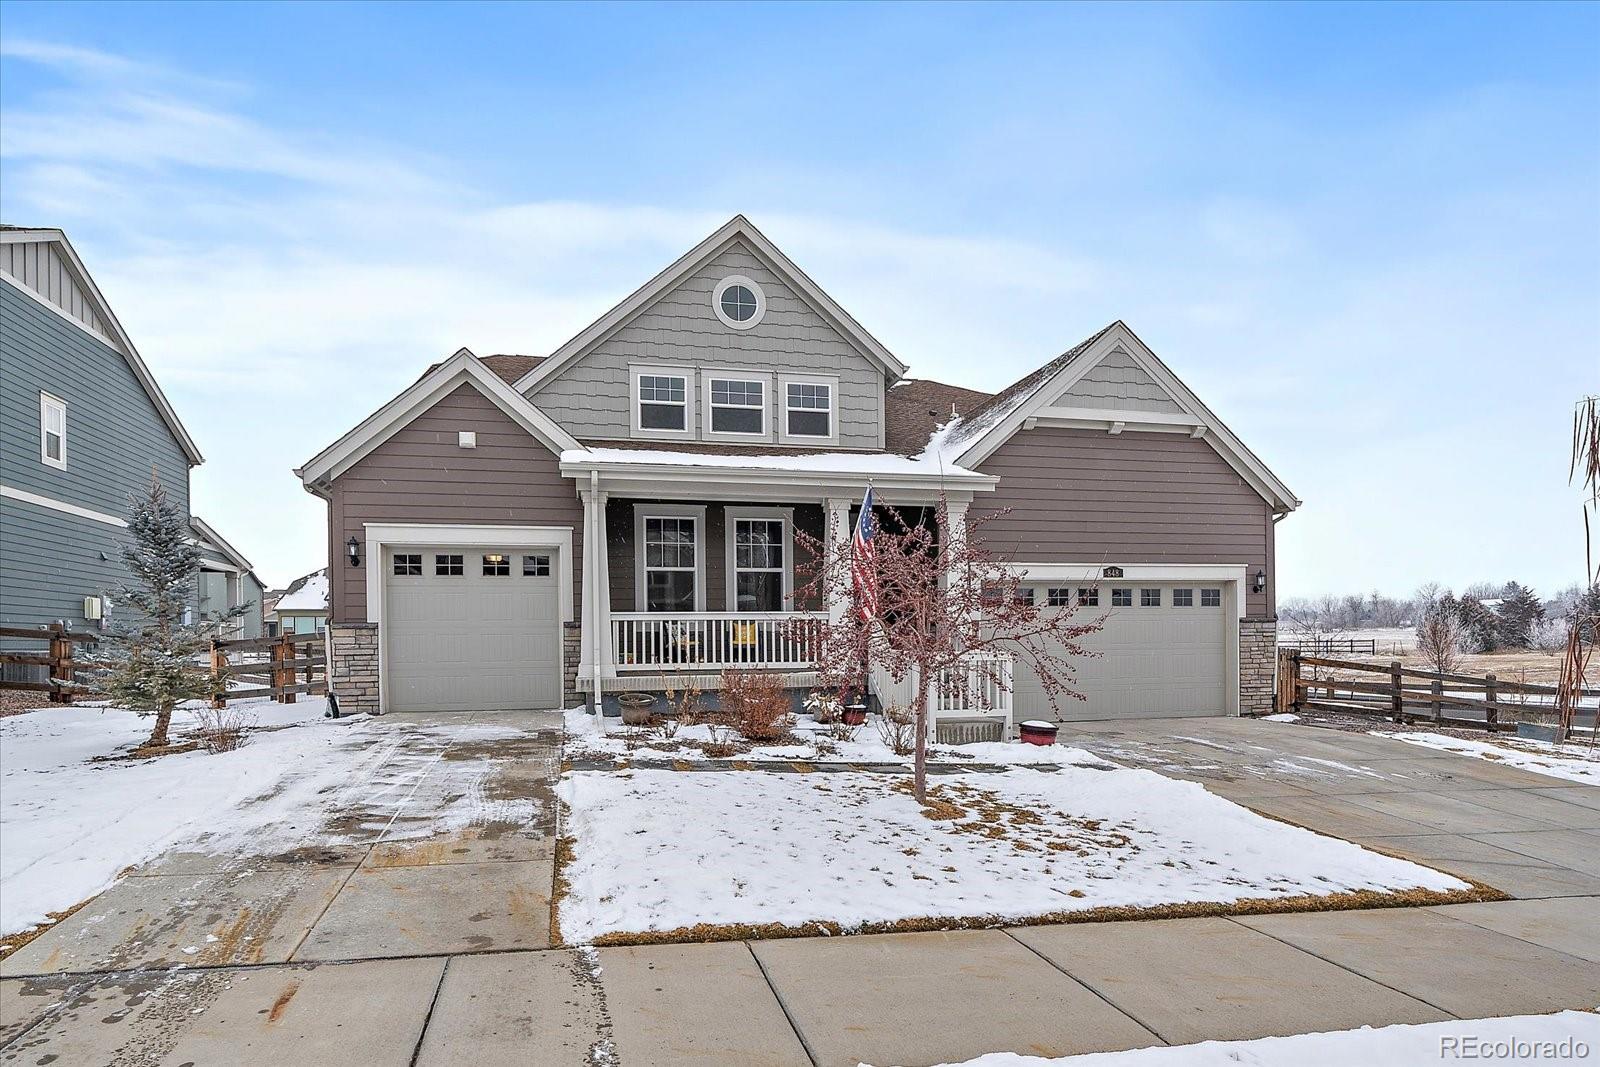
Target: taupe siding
pixel 590 396
pixel 39 266
pixel 1086 496
pixel 422 475
pixel 808 519
pixel 1118 383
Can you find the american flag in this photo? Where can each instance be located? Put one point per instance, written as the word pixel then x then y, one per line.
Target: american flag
pixel 863 574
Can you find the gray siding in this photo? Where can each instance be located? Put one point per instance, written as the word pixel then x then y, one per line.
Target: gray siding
pixel 40 267
pixel 422 475
pixel 250 592
pixel 808 519
pixel 590 396
pixel 1086 496
pixel 1117 382
pixel 51 559
pixel 114 432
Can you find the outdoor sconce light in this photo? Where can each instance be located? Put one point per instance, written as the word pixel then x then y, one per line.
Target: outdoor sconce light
pixel 352 549
pixel 1259 586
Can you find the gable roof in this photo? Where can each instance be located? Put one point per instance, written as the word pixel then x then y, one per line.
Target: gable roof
pixel 209 538
pixel 972 438
pixel 80 277
pixel 309 592
pixel 737 227
pixel 914 407
pixel 441 379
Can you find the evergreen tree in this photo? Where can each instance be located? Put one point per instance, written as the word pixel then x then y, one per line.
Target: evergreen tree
pixel 154 660
pixel 1520 610
pixel 1480 626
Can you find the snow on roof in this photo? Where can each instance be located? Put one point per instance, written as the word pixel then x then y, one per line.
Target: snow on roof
pixel 308 594
pixel 880 463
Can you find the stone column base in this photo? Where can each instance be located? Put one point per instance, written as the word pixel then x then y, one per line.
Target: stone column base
pixel 571 656
pixel 353 666
pixel 1258 665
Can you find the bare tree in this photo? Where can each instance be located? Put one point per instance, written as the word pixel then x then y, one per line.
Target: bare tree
pixel 1585 623
pixel 1439 637
pixel 942 600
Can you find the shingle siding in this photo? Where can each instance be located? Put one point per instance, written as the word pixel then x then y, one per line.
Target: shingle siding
pixel 1086 496
pixel 1118 383
pixel 590 396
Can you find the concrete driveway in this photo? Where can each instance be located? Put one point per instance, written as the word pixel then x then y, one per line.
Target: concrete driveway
pixel 434 950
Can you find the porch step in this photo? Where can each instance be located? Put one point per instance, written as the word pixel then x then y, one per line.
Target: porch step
pixel 969 731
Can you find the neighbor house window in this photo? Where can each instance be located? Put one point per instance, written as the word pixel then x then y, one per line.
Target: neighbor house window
pixel 1211 598
pixel 663 402
pixel 1183 598
pixel 670 562
pixel 1089 598
pixel 536 566
pixel 1122 598
pixel 738 405
pixel 808 409
pixel 449 566
pixel 405 564
pixel 1149 598
pixel 497 565
pixel 759 563
pixel 53 430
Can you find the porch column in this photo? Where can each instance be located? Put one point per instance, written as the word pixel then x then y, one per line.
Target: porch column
pixel 837 539
pixel 588 588
pixel 956 530
pixel 608 659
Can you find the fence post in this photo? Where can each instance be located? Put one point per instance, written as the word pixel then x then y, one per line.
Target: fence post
pixel 285 675
pixel 1491 695
pixel 60 664
pixel 1397 696
pixel 219 664
pixel 1438 701
pixel 1294 679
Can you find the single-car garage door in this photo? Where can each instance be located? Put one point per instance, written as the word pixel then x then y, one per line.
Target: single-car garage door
pixel 1163 653
pixel 471 629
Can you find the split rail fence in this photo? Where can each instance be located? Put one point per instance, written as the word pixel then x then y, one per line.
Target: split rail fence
pixel 59 657
pixel 285 666
pixel 1404 694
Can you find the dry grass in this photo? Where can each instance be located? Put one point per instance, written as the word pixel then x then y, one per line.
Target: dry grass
pixel 12 942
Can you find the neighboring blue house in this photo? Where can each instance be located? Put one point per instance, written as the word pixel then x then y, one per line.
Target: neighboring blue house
pixel 82 425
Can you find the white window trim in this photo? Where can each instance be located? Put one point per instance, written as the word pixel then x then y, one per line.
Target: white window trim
pixel 637 370
pixel 641 512
pixel 708 375
pixel 730 516
pixel 761 302
pixel 784 381
pixel 47 402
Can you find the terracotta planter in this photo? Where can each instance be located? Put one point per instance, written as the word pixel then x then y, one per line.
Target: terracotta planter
pixel 855 715
pixel 1038 732
pixel 636 708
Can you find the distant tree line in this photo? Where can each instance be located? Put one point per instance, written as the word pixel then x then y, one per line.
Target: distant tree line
pixel 1483 618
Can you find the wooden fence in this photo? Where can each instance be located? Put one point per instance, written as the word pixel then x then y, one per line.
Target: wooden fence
pixel 60 657
pixel 278 661
pixel 1403 694
pixel 1323 646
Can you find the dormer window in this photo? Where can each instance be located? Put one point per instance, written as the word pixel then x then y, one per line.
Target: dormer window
pixel 738 302
pixel 663 402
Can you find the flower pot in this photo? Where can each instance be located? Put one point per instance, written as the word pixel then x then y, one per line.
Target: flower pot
pixel 636 708
pixel 1038 732
pixel 855 715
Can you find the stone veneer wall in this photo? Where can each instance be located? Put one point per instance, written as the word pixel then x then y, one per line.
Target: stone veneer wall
pixel 571 654
pixel 1258 664
pixel 353 665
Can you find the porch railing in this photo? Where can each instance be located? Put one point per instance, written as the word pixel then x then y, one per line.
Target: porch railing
pixel 980 685
pixel 714 640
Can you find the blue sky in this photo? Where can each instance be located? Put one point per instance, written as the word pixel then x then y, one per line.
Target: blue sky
pixel 1367 235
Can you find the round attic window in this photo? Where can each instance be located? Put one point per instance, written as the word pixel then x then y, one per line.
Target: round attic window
pixel 738 302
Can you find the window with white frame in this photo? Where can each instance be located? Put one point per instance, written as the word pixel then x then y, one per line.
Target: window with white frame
pixel 808 409
pixel 53 430
pixel 738 405
pixel 670 562
pixel 760 563
pixel 663 402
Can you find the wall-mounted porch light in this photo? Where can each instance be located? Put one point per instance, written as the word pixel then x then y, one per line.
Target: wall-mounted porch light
pixel 352 551
pixel 1260 583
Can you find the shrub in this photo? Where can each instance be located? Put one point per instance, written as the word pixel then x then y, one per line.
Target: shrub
pixel 757 705
pixel 898 729
pixel 824 705
pixel 223 729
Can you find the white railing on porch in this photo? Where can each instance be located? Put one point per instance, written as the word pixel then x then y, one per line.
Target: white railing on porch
pixel 714 640
pixel 980 685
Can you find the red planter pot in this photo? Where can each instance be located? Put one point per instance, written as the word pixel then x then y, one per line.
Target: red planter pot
pixel 1036 732
pixel 855 715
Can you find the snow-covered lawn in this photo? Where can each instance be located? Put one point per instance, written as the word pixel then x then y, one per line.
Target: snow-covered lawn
pixel 659 850
pixel 1515 1039
pixel 70 824
pixel 1575 761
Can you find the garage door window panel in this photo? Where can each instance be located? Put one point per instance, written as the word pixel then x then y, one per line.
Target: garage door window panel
pixel 496 565
pixel 536 566
pixel 408 564
pixel 1149 598
pixel 1211 598
pixel 1122 598
pixel 1183 598
pixel 449 566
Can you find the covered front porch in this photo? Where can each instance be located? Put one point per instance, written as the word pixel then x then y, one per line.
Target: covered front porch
pixel 703 567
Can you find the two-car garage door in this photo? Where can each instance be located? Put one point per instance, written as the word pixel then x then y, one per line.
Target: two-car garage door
pixel 471 629
pixel 1164 652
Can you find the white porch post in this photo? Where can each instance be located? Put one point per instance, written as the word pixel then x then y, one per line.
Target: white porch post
pixel 608 660
pixel 588 651
pixel 837 537
pixel 956 530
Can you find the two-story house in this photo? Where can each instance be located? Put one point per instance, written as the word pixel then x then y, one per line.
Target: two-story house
pixel 83 424
pixel 519 531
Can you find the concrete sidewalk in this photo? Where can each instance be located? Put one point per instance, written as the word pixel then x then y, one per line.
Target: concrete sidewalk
pixel 295 981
